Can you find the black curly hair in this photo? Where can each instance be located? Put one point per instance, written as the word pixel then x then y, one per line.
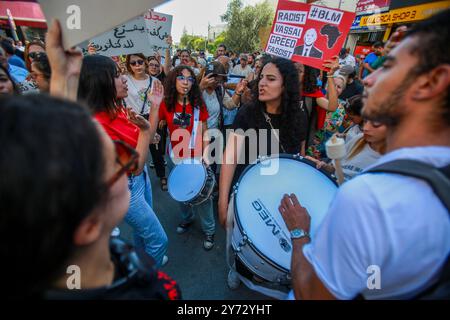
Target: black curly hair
pixel 292 123
pixel 170 89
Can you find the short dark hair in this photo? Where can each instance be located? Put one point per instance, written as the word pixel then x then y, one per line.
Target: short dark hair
pixel 355 105
pixel 378 44
pixel 97 87
pixel 41 62
pixel 7 46
pixel 52 177
pixel 433 49
pixel 222 46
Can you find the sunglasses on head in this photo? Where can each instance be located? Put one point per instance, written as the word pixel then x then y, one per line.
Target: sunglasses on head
pixel 35 55
pixel 128 159
pixel 183 78
pixel 137 62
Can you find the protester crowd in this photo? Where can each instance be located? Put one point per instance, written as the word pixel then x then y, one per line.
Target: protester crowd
pixel 74 160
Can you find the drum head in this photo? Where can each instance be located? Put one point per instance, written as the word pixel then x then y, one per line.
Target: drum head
pixel 259 196
pixel 186 180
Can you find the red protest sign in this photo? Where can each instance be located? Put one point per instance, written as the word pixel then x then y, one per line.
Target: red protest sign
pixel 308 33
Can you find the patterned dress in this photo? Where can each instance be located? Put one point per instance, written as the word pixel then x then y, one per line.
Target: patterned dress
pixel 335 122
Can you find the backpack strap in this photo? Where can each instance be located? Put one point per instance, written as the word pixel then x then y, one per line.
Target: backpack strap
pixel 438 179
pixel 146 96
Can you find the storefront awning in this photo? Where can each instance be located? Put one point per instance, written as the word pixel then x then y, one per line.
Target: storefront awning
pixel 25 13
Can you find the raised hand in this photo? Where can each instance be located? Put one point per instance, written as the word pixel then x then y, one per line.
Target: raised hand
pixel 156 94
pixel 65 64
pixel 207 82
pixel 332 64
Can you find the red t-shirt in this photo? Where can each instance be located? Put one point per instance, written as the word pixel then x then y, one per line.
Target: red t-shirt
pixel 321 113
pixel 180 137
pixel 119 128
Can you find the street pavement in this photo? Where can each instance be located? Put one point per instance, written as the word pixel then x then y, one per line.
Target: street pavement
pixel 201 275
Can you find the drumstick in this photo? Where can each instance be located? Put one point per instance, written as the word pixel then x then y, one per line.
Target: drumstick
pixel 335 148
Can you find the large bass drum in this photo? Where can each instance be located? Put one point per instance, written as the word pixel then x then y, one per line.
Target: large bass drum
pixel 260 238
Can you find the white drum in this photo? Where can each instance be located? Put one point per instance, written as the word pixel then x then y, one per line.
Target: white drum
pixel 260 238
pixel 191 182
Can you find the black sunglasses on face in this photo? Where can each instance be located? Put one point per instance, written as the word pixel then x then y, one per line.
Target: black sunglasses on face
pixel 134 63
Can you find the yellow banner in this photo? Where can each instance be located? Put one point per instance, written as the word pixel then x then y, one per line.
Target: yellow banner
pixel 407 14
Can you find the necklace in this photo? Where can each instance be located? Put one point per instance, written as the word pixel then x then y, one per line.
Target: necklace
pixel 269 121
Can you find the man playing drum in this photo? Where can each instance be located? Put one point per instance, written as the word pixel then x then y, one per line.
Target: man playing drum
pixel 387 236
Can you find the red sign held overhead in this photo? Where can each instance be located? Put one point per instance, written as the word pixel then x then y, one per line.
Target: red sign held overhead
pixel 307 33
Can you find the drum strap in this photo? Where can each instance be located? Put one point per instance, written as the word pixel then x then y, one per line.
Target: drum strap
pixel 269 121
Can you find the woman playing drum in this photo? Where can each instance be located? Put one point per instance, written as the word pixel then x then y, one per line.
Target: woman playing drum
pixel 186 115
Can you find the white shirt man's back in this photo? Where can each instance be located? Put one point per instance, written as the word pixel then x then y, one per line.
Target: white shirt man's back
pixel 393 222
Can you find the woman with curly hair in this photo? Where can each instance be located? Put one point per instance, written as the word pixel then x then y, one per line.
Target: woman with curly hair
pixel 185 113
pixel 276 106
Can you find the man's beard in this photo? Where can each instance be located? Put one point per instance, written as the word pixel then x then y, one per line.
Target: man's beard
pixel 391 111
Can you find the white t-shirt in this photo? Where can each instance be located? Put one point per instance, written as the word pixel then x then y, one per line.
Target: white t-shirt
pixel 348 60
pixel 391 221
pixel 136 94
pixel 213 106
pixel 357 164
pixel 352 132
pixel 242 72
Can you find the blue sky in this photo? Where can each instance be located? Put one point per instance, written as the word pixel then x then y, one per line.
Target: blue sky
pixel 195 14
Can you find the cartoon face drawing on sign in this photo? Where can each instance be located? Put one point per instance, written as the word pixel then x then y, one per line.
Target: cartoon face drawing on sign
pixel 308 49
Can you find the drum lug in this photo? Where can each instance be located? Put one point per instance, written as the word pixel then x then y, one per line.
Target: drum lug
pixel 235 188
pixel 262 159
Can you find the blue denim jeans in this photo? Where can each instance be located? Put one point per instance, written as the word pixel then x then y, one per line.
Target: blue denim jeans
pixel 204 211
pixel 149 235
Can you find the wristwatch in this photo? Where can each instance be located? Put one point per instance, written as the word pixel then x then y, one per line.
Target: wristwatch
pixel 299 234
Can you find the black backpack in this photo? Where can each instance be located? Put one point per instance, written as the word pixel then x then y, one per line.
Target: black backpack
pixel 439 180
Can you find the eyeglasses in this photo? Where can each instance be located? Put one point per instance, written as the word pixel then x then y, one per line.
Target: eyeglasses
pixel 137 62
pixel 183 78
pixel 153 65
pixel 128 159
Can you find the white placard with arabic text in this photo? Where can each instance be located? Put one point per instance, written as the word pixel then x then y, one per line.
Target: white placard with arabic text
pixel 146 34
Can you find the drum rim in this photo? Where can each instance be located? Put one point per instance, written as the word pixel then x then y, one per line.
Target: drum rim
pixel 204 183
pixel 263 257
pixel 236 188
pixel 286 156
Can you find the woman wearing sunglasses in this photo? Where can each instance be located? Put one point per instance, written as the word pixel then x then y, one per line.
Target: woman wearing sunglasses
pixel 102 88
pixel 74 178
pixel 183 110
pixel 139 84
pixel 363 150
pixel 32 50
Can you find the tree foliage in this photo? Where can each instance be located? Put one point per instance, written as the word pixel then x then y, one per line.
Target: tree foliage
pixel 245 25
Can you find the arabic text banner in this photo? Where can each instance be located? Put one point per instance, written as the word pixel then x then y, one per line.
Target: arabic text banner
pixel 308 33
pixel 146 34
pixel 82 20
